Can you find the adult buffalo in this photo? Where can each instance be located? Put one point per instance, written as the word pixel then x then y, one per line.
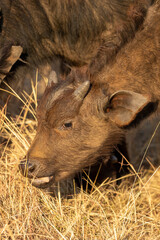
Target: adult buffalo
pixel 57 35
pixel 76 31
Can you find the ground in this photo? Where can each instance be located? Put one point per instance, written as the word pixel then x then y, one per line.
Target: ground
pixel 128 211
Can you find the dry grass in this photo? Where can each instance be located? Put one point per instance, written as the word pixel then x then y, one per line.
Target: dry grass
pixel 125 212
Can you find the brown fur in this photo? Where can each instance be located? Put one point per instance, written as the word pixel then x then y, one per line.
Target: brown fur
pixel 123 92
pixel 72 32
pixel 136 66
pixel 75 30
pixel 87 138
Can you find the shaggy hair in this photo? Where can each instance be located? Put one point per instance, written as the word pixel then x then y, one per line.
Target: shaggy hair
pixel 75 30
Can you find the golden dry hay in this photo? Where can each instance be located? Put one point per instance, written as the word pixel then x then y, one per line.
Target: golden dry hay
pixel 129 211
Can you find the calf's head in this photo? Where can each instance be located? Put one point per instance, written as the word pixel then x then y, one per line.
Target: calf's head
pixel 78 124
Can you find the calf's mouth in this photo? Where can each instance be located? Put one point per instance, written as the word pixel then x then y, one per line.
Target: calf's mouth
pixel 42 182
pixel 30 170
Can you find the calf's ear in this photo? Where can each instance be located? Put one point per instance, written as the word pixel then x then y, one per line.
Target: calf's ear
pixel 124 106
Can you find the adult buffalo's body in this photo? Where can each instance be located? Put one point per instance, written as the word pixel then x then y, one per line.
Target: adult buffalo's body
pixel 80 123
pixel 58 34
pixel 74 30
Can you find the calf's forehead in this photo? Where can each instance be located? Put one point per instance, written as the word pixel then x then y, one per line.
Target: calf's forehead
pixel 59 103
pixel 52 94
pixel 66 107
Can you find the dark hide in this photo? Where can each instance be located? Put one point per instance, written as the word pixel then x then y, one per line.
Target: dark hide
pixel 74 30
pixel 66 33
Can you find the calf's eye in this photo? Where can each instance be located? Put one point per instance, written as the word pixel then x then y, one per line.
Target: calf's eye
pixel 67 125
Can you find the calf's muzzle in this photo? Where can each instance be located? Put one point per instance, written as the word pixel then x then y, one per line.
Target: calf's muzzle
pixel 29 169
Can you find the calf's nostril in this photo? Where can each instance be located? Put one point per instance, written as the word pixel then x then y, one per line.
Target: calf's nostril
pixel 26 168
pixel 31 167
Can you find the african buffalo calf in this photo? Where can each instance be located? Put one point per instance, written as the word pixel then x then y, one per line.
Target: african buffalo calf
pixel 80 123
